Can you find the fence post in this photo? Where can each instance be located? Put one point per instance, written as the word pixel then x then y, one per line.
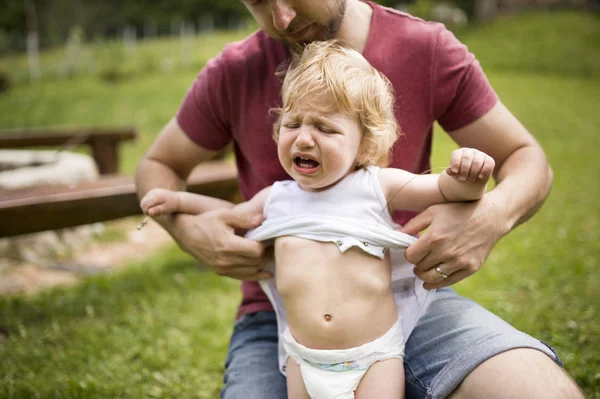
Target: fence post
pixel 32 41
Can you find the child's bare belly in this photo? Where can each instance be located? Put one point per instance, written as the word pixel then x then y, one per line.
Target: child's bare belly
pixel 333 300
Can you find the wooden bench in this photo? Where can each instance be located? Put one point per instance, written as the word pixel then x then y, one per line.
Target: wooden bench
pixel 104 142
pixel 51 207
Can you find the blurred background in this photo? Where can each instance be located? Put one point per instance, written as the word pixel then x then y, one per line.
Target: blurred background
pixel 72 325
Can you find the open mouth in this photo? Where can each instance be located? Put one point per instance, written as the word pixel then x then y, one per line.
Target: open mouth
pixel 306 165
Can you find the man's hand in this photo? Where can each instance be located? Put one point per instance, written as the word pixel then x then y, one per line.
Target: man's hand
pixel 210 237
pixel 459 238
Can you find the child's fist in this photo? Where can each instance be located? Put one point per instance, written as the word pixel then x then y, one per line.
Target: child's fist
pixel 471 165
pixel 159 201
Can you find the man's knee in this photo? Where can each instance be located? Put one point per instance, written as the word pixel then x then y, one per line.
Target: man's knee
pixel 518 373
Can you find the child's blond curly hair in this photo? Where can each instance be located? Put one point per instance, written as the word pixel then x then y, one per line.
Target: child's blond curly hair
pixel 344 77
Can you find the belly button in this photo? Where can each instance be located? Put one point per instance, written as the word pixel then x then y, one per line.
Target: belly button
pixel 327 317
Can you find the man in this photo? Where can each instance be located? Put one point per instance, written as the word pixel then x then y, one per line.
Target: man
pixel 458 349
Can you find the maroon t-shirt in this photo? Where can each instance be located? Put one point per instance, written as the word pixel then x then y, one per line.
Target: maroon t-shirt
pixel 433 74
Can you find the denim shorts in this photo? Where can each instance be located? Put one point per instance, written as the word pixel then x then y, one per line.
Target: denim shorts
pixel 453 337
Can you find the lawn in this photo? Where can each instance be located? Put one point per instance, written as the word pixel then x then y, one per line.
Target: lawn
pixel 160 328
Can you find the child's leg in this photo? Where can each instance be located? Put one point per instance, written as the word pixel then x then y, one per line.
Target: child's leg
pixel 383 380
pixel 295 384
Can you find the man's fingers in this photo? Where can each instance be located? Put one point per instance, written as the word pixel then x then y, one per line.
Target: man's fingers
pixel 452 279
pixel 416 224
pixel 242 220
pixel 243 248
pixel 240 272
pixel 237 261
pixel 427 263
pixel 417 250
pixel 420 248
pixel 430 275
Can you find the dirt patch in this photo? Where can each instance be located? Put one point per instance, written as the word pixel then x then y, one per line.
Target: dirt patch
pixel 97 257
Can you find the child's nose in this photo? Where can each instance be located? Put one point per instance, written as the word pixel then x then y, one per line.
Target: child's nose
pixel 305 138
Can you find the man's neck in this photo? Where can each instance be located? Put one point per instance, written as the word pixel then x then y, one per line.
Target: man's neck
pixel 356 25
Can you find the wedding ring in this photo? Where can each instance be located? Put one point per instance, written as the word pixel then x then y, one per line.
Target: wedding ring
pixel 440 273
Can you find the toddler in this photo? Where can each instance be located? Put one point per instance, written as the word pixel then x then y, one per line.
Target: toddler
pixel 342 332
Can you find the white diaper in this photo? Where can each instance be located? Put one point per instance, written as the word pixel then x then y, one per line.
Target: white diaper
pixel 335 374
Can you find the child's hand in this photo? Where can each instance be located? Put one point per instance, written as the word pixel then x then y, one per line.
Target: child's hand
pixel 159 201
pixel 471 165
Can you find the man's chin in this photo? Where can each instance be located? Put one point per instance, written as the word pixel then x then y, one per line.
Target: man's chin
pixel 298 46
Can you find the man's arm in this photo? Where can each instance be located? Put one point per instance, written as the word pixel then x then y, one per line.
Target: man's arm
pixel 523 176
pixel 210 236
pixel 169 161
pixel 460 236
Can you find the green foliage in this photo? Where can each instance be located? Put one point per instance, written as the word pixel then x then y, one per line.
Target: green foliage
pixel 160 328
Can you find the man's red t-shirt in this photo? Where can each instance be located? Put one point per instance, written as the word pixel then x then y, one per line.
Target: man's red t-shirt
pixel 433 74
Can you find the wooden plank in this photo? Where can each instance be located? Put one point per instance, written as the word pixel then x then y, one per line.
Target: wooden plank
pixel 104 142
pixel 52 136
pixel 53 207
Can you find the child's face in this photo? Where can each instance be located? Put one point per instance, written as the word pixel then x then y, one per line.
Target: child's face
pixel 318 149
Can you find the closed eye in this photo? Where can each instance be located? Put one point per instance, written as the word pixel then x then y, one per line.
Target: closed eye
pixel 325 129
pixel 291 125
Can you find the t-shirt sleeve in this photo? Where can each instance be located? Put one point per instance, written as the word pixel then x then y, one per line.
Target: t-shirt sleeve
pixel 461 91
pixel 203 112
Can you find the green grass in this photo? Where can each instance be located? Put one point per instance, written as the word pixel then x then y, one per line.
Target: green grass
pixel 161 328
pixel 543 277
pixel 158 329
pixel 105 59
pixel 566 43
pixel 146 103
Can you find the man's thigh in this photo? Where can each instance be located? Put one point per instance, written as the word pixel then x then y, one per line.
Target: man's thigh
pixel 451 339
pixel 251 367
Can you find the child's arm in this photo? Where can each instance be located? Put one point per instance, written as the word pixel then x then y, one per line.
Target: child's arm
pixel 256 204
pixel 161 201
pixel 464 180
